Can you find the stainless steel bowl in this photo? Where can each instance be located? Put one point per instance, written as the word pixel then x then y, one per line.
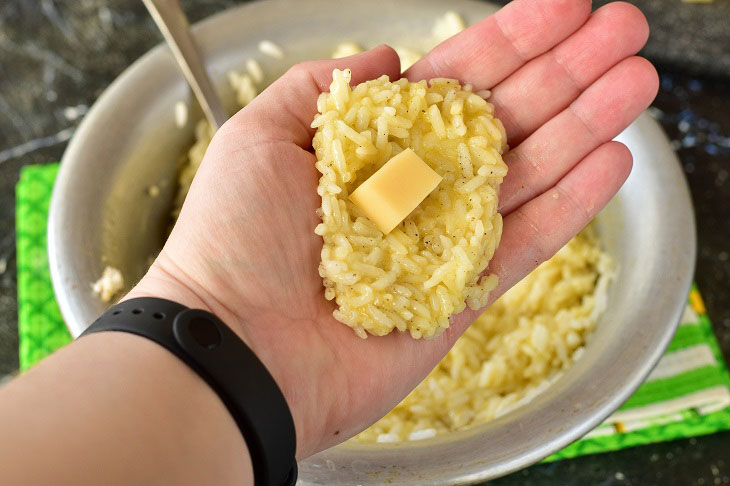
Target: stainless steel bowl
pixel 101 213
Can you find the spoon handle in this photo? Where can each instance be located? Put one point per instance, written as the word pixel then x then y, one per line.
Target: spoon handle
pixel 171 20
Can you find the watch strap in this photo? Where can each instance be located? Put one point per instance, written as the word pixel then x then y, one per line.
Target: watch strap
pixel 231 369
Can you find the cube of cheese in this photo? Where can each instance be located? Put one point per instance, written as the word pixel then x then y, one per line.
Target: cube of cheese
pixel 395 190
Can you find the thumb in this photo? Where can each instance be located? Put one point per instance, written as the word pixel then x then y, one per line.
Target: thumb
pixel 284 110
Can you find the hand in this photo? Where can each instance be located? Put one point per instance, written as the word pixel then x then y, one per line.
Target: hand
pixel 564 83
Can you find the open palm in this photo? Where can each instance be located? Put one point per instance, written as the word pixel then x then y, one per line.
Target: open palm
pixel 564 82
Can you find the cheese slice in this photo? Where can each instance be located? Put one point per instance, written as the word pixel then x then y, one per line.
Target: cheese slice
pixel 395 190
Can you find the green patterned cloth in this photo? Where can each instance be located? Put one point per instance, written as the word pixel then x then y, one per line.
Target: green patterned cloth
pixel 687 394
pixel 40 326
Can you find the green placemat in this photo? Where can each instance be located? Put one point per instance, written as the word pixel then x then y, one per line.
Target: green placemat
pixel 687 394
pixel 40 326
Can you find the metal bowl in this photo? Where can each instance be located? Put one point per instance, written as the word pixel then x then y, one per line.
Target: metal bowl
pixel 101 213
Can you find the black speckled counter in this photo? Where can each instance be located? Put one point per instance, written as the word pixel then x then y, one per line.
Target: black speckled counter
pixel 56 56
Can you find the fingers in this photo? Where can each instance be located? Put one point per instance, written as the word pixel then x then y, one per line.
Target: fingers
pixel 600 113
pixel 537 230
pixel 546 85
pixel 489 51
pixel 284 110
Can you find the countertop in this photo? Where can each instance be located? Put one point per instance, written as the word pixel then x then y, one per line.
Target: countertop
pixel 56 57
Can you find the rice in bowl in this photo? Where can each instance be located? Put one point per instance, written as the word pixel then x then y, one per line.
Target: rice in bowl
pixel 513 351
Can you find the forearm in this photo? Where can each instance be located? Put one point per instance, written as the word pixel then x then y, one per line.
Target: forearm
pixel 114 408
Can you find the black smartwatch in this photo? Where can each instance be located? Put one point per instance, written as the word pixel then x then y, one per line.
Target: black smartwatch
pixel 232 370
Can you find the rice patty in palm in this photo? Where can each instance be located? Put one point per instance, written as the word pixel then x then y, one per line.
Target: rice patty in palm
pixel 429 267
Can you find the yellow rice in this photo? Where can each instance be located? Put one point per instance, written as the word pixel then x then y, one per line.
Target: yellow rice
pixel 514 350
pixel 429 266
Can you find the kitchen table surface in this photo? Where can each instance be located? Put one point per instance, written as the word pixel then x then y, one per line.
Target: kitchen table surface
pixel 57 56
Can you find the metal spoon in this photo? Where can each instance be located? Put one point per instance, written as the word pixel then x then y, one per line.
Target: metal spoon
pixel 171 20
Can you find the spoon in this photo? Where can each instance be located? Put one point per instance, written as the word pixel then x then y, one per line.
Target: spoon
pixel 171 20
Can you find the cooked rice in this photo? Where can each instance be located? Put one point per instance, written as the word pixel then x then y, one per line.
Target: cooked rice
pixel 447 25
pixel 514 350
pixel 425 270
pixel 190 162
pixel 408 57
pixel 254 70
pixel 271 49
pixel 345 49
pixel 109 284
pixel 181 114
pixel 244 87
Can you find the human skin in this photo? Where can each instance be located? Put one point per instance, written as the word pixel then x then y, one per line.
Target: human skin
pixel 564 82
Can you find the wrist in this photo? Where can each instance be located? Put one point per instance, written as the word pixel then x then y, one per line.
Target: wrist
pixel 131 409
pixel 217 355
pixel 164 282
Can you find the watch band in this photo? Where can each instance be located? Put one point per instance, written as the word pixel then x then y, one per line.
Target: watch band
pixel 232 370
